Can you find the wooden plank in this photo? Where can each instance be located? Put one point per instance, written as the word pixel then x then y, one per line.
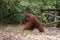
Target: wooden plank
pixel 57 9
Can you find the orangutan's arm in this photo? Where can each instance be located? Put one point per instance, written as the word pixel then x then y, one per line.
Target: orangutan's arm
pixel 27 25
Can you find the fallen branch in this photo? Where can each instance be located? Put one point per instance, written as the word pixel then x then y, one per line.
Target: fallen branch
pixel 53 15
pixel 51 22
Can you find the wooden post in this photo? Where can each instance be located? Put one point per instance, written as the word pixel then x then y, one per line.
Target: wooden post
pixel 41 16
pixel 58 24
pixel 55 19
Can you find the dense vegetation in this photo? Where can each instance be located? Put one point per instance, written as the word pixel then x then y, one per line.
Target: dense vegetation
pixel 12 11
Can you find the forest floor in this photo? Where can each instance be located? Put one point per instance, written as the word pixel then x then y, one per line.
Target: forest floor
pixel 15 32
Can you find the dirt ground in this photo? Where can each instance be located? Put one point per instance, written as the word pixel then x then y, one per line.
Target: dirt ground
pixel 15 32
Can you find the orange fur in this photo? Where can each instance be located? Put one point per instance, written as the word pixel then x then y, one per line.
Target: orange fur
pixel 32 22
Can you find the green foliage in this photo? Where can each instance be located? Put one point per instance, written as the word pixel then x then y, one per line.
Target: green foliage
pixel 58 3
pixel 12 11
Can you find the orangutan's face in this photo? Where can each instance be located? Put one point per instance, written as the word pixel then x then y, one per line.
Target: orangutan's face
pixel 27 17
